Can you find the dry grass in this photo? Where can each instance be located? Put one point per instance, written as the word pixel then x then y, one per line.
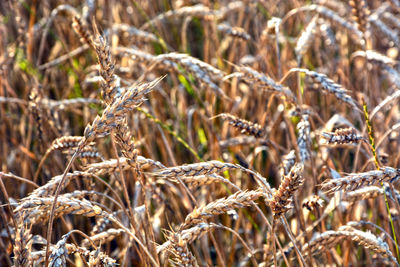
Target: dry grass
pixel 179 133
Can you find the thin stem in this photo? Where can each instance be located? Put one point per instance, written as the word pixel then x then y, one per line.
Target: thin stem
pixel 373 150
pixel 13 176
pixel 273 242
pixel 41 163
pixel 3 188
pixel 53 207
pixel 114 220
pixel 289 232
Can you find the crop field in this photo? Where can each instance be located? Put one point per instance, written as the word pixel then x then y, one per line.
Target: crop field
pixel 199 133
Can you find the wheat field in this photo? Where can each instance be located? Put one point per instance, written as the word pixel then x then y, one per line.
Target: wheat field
pixel 199 133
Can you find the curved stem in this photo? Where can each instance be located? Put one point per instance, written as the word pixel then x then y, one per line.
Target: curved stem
pixel 41 163
pixel 134 237
pixel 13 176
pixel 373 149
pixel 53 207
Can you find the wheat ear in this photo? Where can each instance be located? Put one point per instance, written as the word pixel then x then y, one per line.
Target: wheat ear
pixel 282 198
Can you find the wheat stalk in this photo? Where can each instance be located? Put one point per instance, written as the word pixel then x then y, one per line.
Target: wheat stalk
pixel 103 237
pixel 360 12
pixel 36 210
pixel 110 166
pixel 81 29
pixel 306 38
pixel 363 193
pixel 262 81
pixel 282 198
pixel 288 162
pixel 246 127
pixel 329 85
pixel 116 112
pixel 185 237
pixel 23 246
pixel 238 200
pixel 195 169
pixel 303 140
pixel 235 32
pixel 356 180
pixel 343 136
pixel 312 202
pixel 333 17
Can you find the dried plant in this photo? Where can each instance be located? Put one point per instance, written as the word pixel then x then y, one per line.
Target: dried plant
pixel 360 13
pixel 262 81
pixel 357 180
pixel 329 85
pixel 110 85
pixel 323 241
pixel 104 164
pixel 195 169
pixel 363 193
pixel 114 114
pixel 37 210
pixel 245 127
pixel 112 165
pixel 237 200
pixel 312 202
pixel 103 237
pixel 81 29
pixel 282 198
pixel 334 18
pixel 23 246
pixel 303 139
pixel 185 237
pixel 196 181
pixel 306 38
pixel 236 32
pixel 342 136
pixel 59 253
pixel 287 163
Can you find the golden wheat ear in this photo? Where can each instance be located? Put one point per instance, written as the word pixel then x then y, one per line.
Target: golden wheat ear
pixel 246 127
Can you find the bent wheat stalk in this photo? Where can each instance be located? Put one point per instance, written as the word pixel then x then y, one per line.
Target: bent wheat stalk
pixel 238 200
pixel 246 127
pixel 282 198
pixel 356 180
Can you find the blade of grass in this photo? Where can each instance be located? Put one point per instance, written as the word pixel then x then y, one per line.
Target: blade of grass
pixel 372 146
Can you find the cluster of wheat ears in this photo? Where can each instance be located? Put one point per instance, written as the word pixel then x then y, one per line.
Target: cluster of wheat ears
pixel 199 133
